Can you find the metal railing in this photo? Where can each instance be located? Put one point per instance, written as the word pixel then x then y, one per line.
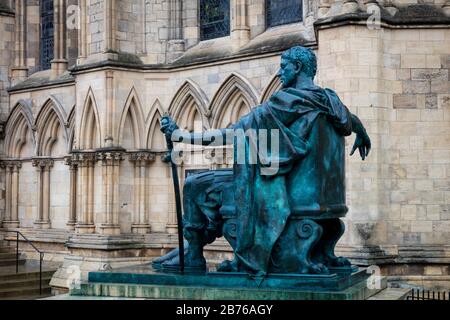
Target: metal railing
pixel 420 294
pixel 41 255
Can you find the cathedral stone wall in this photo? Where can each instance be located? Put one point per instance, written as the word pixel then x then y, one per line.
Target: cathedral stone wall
pixel 7 25
pixel 397 82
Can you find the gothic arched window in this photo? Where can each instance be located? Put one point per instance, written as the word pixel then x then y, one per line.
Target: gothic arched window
pixel 214 19
pixel 280 12
pixel 46 54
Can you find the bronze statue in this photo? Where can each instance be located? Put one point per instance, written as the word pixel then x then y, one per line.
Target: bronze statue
pixel 287 221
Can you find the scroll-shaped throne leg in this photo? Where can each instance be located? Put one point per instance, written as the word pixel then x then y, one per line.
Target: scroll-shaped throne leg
pixel 309 232
pixel 292 252
pixel 333 231
pixel 229 231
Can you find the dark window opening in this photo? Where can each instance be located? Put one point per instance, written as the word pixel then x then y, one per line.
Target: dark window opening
pixel 279 12
pixel 46 54
pixel 214 19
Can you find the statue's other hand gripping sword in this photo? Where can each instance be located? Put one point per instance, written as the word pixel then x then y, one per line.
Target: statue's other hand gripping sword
pixel 167 127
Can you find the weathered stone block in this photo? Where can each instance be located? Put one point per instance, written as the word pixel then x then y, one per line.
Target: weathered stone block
pixel 416 86
pixel 429 74
pixel 404 101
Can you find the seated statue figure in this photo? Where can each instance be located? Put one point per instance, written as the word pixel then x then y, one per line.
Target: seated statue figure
pixel 288 220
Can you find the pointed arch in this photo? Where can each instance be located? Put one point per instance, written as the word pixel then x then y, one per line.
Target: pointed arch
pixel 273 86
pixel 49 123
pixel 153 133
pixel 188 104
pixel 90 130
pixel 19 126
pixel 133 109
pixel 235 97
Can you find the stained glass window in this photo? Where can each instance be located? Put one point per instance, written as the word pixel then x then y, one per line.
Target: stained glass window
pixel 214 19
pixel 46 33
pixel 280 12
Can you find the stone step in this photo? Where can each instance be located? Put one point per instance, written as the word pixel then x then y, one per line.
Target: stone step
pixel 9 255
pixel 11 262
pixel 17 293
pixel 392 294
pixel 20 283
pixel 25 284
pixel 7 249
pixel 23 276
pixel 45 294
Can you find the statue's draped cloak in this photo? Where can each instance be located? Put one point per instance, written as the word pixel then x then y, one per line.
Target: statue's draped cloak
pixel 261 200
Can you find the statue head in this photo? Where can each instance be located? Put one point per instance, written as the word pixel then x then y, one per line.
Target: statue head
pixel 295 61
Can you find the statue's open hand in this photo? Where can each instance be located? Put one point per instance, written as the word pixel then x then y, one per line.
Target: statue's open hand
pixel 362 143
pixel 168 126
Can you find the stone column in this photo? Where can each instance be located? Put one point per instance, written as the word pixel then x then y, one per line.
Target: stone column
pixel 8 221
pixel 240 30
pixel 110 108
pixel 20 71
pixel 140 201
pixel 82 41
pixel 176 42
pixel 324 7
pixel 15 193
pixel 73 168
pixel 85 205
pixel 12 194
pixel 8 179
pixel 111 164
pixel 110 27
pixel 59 62
pixel 43 168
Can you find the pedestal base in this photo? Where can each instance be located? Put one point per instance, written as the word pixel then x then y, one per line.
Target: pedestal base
pixel 172 228
pixel 18 74
pixel 58 66
pixel 11 224
pixel 71 225
pixel 144 282
pixel 85 228
pixel 41 224
pixel 140 228
pixel 109 229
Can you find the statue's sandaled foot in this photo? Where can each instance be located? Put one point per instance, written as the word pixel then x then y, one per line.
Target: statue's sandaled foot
pixel 314 268
pixel 191 264
pixel 157 263
pixel 227 266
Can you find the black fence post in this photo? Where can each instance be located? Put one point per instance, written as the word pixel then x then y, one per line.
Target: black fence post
pixel 40 273
pixel 17 252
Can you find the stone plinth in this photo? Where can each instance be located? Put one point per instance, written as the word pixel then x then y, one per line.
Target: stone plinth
pixel 144 282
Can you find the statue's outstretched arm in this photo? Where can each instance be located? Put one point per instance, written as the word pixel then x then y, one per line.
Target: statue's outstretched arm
pixel 362 141
pixel 218 137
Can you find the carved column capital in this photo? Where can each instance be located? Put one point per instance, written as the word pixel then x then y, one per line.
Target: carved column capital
pixel 141 158
pixel 42 164
pixel 71 162
pixel 83 159
pixel 109 158
pixel 12 165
